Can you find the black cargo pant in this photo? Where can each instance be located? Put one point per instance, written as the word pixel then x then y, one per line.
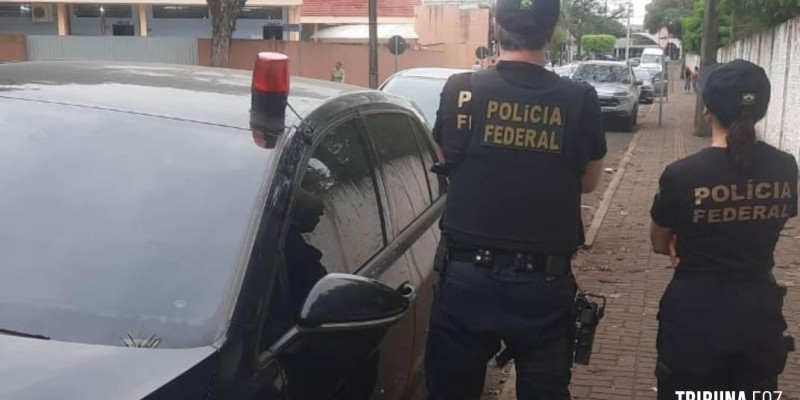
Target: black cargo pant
pixel 720 333
pixel 475 307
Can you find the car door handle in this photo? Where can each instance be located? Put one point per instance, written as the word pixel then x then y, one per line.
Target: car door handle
pixel 407 290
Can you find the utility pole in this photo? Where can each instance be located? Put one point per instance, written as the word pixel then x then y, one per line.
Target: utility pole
pixel 373 44
pixel 628 43
pixel 708 57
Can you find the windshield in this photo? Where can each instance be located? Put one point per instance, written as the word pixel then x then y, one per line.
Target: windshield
pixel 119 226
pixel 651 59
pixel 602 73
pixel 424 92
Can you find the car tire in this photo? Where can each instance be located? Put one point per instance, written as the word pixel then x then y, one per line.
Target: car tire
pixel 629 124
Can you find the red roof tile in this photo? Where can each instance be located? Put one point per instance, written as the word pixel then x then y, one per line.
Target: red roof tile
pixel 358 8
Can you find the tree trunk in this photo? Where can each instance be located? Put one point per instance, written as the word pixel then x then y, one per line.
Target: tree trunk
pixel 223 23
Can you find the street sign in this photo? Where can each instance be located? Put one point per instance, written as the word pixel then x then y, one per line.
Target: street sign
pixel 663 37
pixel 397 45
pixel 483 53
pixel 292 27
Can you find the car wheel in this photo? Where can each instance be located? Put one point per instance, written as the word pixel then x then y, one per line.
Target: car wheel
pixel 630 122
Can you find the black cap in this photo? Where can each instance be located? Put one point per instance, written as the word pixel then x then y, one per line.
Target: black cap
pixel 735 89
pixel 528 16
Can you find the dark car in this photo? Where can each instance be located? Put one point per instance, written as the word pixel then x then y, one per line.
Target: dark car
pixel 423 86
pixel 163 240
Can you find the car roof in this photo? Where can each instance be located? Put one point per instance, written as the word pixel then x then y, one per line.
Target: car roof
pixel 434 73
pixel 603 62
pixel 199 94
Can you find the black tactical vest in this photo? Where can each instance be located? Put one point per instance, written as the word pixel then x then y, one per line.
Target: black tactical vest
pixel 518 187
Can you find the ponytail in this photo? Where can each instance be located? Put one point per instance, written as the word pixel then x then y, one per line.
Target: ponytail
pixel 741 139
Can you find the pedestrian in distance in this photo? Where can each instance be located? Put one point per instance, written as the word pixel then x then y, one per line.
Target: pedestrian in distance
pixel 687 80
pixel 719 214
pixel 520 145
pixel 695 78
pixel 338 75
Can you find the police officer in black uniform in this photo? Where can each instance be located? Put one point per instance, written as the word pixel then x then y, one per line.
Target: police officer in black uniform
pixel 520 145
pixel 719 214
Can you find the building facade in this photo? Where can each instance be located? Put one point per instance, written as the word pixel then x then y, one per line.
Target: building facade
pixel 261 19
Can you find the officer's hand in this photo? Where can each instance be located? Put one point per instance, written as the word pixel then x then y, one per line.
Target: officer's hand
pixel 673 252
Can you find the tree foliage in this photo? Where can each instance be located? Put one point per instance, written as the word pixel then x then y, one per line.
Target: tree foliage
pixel 693 28
pixel 582 17
pixel 599 43
pixel 667 13
pixel 752 16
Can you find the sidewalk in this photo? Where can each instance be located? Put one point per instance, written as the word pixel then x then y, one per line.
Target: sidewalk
pixel 621 266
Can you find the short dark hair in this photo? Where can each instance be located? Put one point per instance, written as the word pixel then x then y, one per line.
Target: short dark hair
pixel 516 42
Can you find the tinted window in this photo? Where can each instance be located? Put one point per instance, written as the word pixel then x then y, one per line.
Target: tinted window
pixel 401 166
pixel 15 10
pixel 104 10
pixel 424 92
pixel 603 73
pixel 180 12
pixel 428 156
pixel 137 223
pixel 338 194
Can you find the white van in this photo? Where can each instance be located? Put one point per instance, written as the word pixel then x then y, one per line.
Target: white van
pixel 652 58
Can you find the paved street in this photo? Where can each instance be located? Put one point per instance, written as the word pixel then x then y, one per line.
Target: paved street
pixel 622 267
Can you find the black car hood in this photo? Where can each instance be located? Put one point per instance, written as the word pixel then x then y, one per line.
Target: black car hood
pixel 34 369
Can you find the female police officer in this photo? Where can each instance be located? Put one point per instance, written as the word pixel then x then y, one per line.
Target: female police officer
pixel 721 211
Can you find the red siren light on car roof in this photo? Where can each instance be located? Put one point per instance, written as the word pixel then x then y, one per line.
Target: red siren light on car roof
pixel 268 98
pixel 271 73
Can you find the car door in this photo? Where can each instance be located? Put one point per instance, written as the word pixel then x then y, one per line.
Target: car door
pixel 404 157
pixel 338 224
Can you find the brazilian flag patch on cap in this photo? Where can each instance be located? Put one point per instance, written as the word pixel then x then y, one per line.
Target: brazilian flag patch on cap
pixel 748 99
pixel 525 5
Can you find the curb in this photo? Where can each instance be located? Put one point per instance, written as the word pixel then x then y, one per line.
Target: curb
pixel 602 209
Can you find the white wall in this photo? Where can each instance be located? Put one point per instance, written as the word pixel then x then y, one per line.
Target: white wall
pixel 778 52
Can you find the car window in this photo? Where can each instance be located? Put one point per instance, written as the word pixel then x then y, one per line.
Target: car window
pixel 337 210
pixel 602 73
pixel 137 222
pixel 401 166
pixel 428 157
pixel 424 92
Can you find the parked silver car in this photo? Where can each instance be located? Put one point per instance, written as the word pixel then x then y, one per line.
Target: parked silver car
pixel 617 89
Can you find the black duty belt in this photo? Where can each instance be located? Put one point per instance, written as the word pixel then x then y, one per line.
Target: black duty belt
pixel 550 265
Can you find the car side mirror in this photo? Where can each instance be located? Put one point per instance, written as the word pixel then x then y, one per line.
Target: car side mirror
pixel 351 302
pixel 347 312
pixel 639 83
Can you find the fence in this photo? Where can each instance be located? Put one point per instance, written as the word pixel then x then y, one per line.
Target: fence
pixel 778 52
pixel 113 48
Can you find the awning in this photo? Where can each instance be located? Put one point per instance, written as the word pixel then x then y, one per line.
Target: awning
pixel 361 32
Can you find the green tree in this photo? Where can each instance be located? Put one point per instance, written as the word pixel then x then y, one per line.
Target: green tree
pixel 752 16
pixel 583 17
pixel 667 13
pixel 693 28
pixel 599 43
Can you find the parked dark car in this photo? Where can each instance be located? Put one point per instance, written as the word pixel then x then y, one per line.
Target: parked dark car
pixel 423 86
pixel 166 235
